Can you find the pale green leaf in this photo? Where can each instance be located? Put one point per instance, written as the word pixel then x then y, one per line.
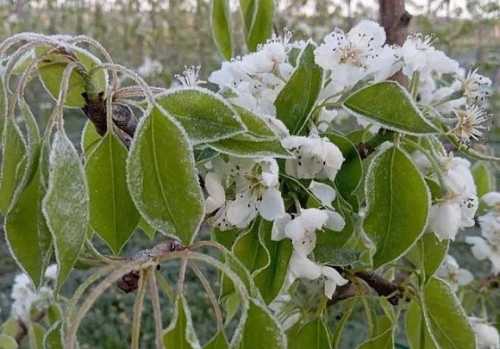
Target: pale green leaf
pixel 313 335
pixel 255 124
pixel 205 116
pixel 485 180
pixel 90 138
pixel 384 335
pixel 66 204
pixel 428 253
pixel 389 105
pixel 180 333
pixel 112 212
pixel 13 163
pixel 297 98
pixel 257 20
pixel 36 333
pixel 262 329
pixel 26 231
pixel 220 16
pixel 162 178
pixel 53 337
pixel 219 341
pixel 7 342
pixel 147 229
pixel 417 333
pixel 398 204
pixel 52 68
pixel 243 146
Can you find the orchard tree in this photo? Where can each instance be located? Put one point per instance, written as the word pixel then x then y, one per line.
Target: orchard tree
pixel 311 176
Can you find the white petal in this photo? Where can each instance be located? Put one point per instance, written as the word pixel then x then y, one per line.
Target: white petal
pixel 480 248
pixel 464 277
pixel 278 230
pixel 302 267
pixel 492 198
pixel 330 287
pixel 445 219
pixel 216 192
pixel 271 206
pixel 332 274
pixel 335 221
pixel 324 192
pixel 241 211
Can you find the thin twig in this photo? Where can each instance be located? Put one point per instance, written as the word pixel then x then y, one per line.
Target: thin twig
pixel 155 301
pixel 138 308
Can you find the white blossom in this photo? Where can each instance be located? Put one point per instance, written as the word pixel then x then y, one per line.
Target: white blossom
pixel 470 123
pixel 476 87
pixel 315 157
pixel 451 272
pixel 486 335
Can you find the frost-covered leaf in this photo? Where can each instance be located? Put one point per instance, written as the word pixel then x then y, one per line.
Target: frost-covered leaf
pixel 250 250
pixel 484 178
pixel 351 173
pixel 146 228
pixel 244 146
pixel 32 130
pixel 26 231
pixel 271 279
pixel 298 97
pixel 205 116
pixel 36 335
pixel 90 138
pixel 398 204
pixel 53 337
pixel 262 329
pixel 66 204
pixel 7 342
pixel 218 342
pixel 256 125
pixel 445 318
pixel 383 337
pixel 51 71
pixel 257 20
pixel 313 335
pixel 220 16
pixel 391 106
pixel 417 337
pixel 162 178
pixel 180 333
pixel 13 162
pixel 428 253
pixel 112 212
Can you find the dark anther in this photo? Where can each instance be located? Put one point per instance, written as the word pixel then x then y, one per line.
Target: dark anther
pixel 129 282
pixel 158 267
pixel 338 317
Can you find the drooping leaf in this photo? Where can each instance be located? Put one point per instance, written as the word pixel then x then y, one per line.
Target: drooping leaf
pixel 112 212
pixel 220 17
pixel 162 178
pixel 271 279
pixel 418 337
pixel 32 130
pixel 257 20
pixel 26 230
pixel 13 163
pixel 51 71
pixel 428 253
pixel 90 138
pixel 445 318
pixel 205 116
pixel 246 147
pixel 398 204
pixel 298 97
pixel 351 173
pixel 313 335
pixel 180 333
pixel 218 342
pixel 261 329
pixel 388 104
pixel 66 204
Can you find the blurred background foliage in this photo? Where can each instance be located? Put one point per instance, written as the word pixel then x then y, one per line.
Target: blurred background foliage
pixel 158 38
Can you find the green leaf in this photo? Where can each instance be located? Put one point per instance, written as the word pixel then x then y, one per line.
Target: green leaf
pixel 220 16
pixel 313 335
pixel 255 124
pixel 53 337
pixel 36 335
pixel 243 146
pixel 271 279
pixel 398 204
pixel 7 342
pixel 298 97
pixel 350 174
pixel 32 130
pixel 66 204
pixel 388 104
pixel 147 229
pixel 417 333
pixel 162 178
pixel 51 71
pixel 428 253
pixel 384 336
pixel 218 342
pixel 257 20
pixel 90 138
pixel 180 333
pixel 112 212
pixel 485 180
pixel 13 163
pixel 26 231
pixel 250 250
pixel 445 318
pixel 348 306
pixel 205 116
pixel 262 329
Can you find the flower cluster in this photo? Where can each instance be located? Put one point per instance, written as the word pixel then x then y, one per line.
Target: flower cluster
pixel 487 246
